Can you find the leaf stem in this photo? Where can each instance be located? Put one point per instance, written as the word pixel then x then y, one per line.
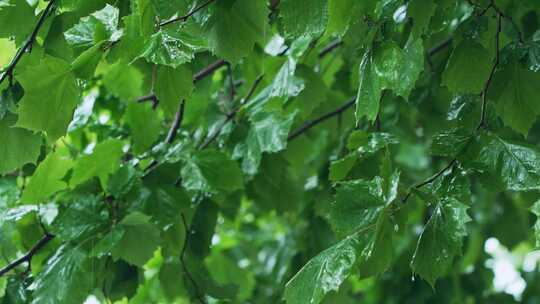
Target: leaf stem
pixel 186 17
pixel 184 266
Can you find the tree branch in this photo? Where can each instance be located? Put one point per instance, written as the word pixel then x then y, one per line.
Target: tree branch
pixel 429 180
pixel 178 118
pixel 186 17
pixel 310 124
pixel 27 47
pixel 482 123
pixel 208 70
pixel 330 47
pixel 28 256
pixel 231 115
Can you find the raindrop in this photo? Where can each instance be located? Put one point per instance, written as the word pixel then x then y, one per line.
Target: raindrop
pixel 412 278
pixel 396 227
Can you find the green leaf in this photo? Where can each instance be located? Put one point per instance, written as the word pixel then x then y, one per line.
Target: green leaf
pixel 173 85
pixel 339 169
pixel 145 125
pixel 64 278
pixel 172 49
pixel 339 15
pixel 514 91
pixel 387 67
pixel 210 171
pixel 516 165
pixel 104 160
pixel 468 68
pixel 124 81
pixel 16 19
pixel 450 143
pixel 85 65
pixel 247 18
pixel 440 240
pixel 51 95
pixel 100 25
pixel 301 18
pixel 357 205
pixel 84 217
pixel 421 11
pixel 136 227
pixel 268 133
pixel 369 90
pixel 19 146
pixel 202 228
pixel 323 273
pixel 47 179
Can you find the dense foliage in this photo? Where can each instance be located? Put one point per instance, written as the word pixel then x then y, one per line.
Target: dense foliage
pixel 255 151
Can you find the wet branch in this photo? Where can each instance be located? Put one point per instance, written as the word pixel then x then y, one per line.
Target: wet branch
pixel 186 16
pixel 27 47
pixel 27 258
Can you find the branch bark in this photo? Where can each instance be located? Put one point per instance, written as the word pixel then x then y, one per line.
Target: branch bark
pixel 27 47
pixel 28 256
pixel 310 124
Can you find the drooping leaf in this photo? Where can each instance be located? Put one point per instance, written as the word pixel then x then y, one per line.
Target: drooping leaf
pixel 64 278
pixel 516 165
pixel 304 19
pixel 247 17
pixel 103 161
pixel 19 146
pixel 467 69
pixel 441 240
pixel 173 85
pixel 51 95
pixel 210 171
pixel 514 91
pixel 47 179
pixel 144 134
pixel 82 218
pixel 136 227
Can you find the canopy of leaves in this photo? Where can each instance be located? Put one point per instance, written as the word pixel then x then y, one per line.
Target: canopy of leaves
pixel 269 151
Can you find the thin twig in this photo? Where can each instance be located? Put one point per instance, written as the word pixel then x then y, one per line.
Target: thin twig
pixel 184 266
pixel 28 256
pixel 231 115
pixel 186 17
pixel 208 70
pixel 429 180
pixel 330 47
pixel 482 123
pixel 27 47
pixel 310 124
pixel 177 122
pixel 150 97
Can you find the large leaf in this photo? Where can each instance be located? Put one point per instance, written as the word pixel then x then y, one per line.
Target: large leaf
pixel 514 91
pixel 246 17
pixel 211 171
pixel 103 161
pixel 19 146
pixel 468 68
pixel 440 240
pixel 47 179
pixel 173 85
pixel 51 95
pixel 515 165
pixel 301 18
pixel 144 134
pixel 64 278
pixel 137 227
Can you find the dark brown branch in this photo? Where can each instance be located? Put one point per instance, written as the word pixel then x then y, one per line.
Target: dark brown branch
pixel 439 47
pixel 27 258
pixel 27 47
pixel 208 70
pixel 198 294
pixel 177 122
pixel 150 97
pixel 330 47
pixel 482 122
pixel 310 124
pixel 186 17
pixel 231 115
